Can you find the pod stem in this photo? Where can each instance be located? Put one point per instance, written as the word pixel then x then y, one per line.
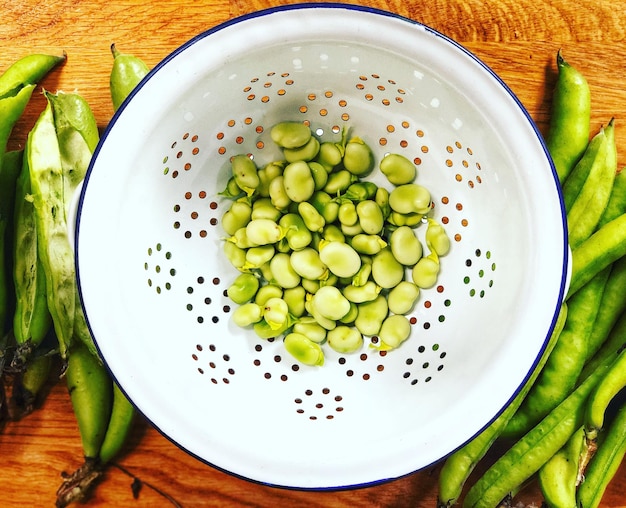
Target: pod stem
pixel 77 485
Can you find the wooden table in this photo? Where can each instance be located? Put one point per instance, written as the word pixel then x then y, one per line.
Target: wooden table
pixel 517 38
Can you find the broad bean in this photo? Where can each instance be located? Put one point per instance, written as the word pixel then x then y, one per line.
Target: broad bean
pixel 247 314
pixel 410 198
pixel 436 238
pixel 370 217
pixel 258 256
pixel 266 292
pixel 394 330
pixel 340 258
pixel 360 191
pixel 243 288
pixel 278 194
pixel 358 158
pixel 319 174
pixel 307 263
pixel 371 315
pixel 345 339
pixel 245 173
pixel 330 154
pixel 611 450
pixel 304 349
pixel 402 298
pixel 235 254
pixel 364 293
pixel 605 246
pixel 558 477
pixel 306 152
pixel 338 182
pixel 295 298
pixel 275 313
pixel 330 303
pixel 387 271
pixel 297 234
pixel 405 246
pixel 347 213
pixel 425 271
pixel 267 174
pixel 263 232
pixel 568 133
pixel 290 134
pixel 587 209
pixel 298 181
pixel 398 169
pixel 309 327
pixel 367 244
pixel 263 208
pixel 283 273
pixel 362 277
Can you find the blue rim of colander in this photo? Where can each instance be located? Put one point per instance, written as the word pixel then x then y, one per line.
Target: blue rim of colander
pixel 566 265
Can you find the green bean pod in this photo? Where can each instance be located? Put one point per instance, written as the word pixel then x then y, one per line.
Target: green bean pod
pixel 592 158
pixel 28 70
pixel 611 449
pixel 566 362
pixel 59 150
pixel 605 246
pixel 589 205
pixel 617 200
pixel 458 466
pixel 17 84
pixel 612 346
pixel 613 382
pixel 10 168
pixel 535 448
pixel 611 307
pixel 126 73
pixel 30 383
pixel 119 427
pixel 31 319
pixel 46 176
pixel 91 394
pixel 558 477
pixel 568 133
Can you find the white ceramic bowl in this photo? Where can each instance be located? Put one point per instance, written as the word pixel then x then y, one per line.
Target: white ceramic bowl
pixel 152 275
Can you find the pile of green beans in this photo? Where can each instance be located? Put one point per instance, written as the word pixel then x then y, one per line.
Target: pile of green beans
pixel 326 256
pixel 559 430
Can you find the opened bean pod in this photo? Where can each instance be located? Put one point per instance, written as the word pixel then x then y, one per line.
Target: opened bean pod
pixel 327 258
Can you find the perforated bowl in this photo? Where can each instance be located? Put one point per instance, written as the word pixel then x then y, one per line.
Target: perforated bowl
pixel 153 277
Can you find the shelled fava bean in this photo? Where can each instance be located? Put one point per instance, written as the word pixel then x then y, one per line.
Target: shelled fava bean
pixel 326 257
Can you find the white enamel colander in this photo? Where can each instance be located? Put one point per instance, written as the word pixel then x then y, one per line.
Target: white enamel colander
pixel 152 273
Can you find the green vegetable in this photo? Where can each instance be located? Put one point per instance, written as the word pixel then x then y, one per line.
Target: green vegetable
pixel 59 150
pixel 612 383
pixel 566 362
pixel 290 134
pixel 31 319
pixel 611 449
pixel 91 394
pixel 558 477
pixel 398 169
pixel 458 466
pixel 310 233
pixel 120 422
pixel 126 73
pixel 535 448
pixel 17 84
pixel 600 250
pixel 568 133
pixel 589 205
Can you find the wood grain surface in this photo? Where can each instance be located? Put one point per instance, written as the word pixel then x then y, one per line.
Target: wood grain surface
pixel 517 38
